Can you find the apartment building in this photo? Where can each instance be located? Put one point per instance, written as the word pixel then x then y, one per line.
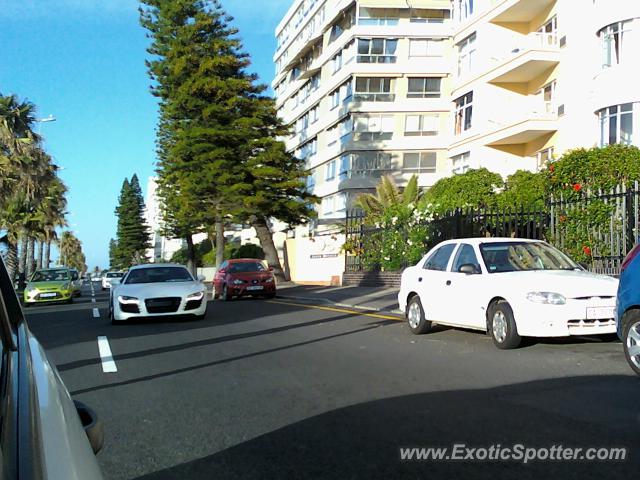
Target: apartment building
pixel 365 86
pixel 534 78
pixel 437 87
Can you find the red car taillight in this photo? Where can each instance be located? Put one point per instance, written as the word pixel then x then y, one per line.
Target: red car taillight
pixel 629 258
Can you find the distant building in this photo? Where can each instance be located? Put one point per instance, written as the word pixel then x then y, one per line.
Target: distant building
pixel 162 248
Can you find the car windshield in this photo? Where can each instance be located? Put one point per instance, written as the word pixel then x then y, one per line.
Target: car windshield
pixel 59 275
pixel 522 256
pixel 115 275
pixel 159 275
pixel 246 267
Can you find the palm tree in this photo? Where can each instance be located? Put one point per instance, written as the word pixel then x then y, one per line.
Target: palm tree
pixel 387 195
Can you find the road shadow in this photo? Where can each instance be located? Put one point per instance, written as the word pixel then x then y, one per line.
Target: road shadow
pixel 363 440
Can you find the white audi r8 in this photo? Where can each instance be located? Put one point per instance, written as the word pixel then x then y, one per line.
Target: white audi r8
pixel 510 288
pixel 157 290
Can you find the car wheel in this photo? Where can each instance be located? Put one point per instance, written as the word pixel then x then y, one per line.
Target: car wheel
pixel 418 324
pixel 631 339
pixel 502 326
pixel 70 299
pixel 226 296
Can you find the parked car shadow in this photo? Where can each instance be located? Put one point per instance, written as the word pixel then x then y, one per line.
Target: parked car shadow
pixel 364 440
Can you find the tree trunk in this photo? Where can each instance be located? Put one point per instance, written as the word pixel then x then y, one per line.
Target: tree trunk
pixel 266 242
pixel 219 241
pixel 47 254
pixel 39 255
pixel 22 260
pixel 12 260
pixel 191 256
pixel 31 259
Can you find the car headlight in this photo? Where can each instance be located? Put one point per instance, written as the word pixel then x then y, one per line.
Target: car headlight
pixel 237 281
pixel 547 297
pixel 196 296
pixel 128 300
pixel 269 280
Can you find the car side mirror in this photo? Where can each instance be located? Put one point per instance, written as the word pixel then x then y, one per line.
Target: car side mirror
pixel 468 269
pixel 93 427
pixel 201 278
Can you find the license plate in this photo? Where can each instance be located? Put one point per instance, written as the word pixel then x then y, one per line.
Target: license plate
pixel 594 313
pixel 256 287
pixel 47 295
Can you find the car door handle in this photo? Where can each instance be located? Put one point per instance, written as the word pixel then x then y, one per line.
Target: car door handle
pixel 448 282
pixel 420 279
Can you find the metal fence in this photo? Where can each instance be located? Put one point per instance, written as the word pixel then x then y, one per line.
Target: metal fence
pixel 612 238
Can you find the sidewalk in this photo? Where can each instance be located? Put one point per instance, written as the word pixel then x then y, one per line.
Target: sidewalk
pixel 368 298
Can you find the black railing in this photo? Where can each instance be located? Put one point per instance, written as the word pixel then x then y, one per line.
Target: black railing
pixel 610 220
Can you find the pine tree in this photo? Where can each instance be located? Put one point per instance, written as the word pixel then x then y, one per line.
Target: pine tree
pixel 199 70
pixel 132 237
pixel 113 253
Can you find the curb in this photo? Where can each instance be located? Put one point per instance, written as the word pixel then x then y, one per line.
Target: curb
pixel 343 305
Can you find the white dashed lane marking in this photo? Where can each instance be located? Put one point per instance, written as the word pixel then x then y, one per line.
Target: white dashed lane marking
pixel 96 313
pixel 108 364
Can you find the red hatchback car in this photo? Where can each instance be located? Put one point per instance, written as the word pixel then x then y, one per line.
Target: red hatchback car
pixel 244 276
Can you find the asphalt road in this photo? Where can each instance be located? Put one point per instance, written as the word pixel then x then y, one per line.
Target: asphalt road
pixel 275 389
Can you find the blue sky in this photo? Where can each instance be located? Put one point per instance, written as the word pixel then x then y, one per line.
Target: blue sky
pixel 83 62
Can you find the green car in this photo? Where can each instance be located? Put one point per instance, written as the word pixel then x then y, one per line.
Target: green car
pixel 48 286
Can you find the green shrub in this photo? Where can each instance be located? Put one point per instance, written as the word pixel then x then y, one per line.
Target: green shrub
pixel 248 251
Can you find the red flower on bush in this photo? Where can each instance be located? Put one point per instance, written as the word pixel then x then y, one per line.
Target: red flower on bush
pixel 552 168
pixel 586 250
pixel 577 187
pixel 563 218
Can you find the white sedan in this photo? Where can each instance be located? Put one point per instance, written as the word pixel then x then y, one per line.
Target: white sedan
pixel 510 288
pixel 157 290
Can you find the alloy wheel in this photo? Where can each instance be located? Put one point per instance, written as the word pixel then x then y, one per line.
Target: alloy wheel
pixel 414 315
pixel 633 344
pixel 499 326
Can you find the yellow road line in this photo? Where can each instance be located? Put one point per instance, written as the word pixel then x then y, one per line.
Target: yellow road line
pixel 364 313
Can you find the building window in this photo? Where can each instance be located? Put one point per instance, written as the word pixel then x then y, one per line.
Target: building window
pixel 616 124
pixel 374 89
pixel 426 47
pixel 311 182
pixel 377 50
pixel 327 205
pixel 309 149
pixel 544 157
pixel 424 87
pixel 332 135
pixel 548 95
pixel 378 16
pixel 466 54
pixel 337 61
pixel 343 93
pixel 371 164
pixel 464 112
pixel 463 9
pixel 423 15
pixel 548 33
pixel 460 163
pixel 616 43
pixel 421 125
pixel 345 163
pixel 331 170
pixel 419 162
pixel 314 114
pixel 374 127
pixel 340 202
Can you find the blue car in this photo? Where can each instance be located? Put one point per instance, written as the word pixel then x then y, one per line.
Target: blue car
pixel 628 308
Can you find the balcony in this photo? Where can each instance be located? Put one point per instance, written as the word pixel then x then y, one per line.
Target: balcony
pixel 515 133
pixel 506 12
pixel 530 57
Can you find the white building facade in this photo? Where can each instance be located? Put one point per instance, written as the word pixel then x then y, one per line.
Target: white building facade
pixel 365 86
pixel 436 87
pixel 535 78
